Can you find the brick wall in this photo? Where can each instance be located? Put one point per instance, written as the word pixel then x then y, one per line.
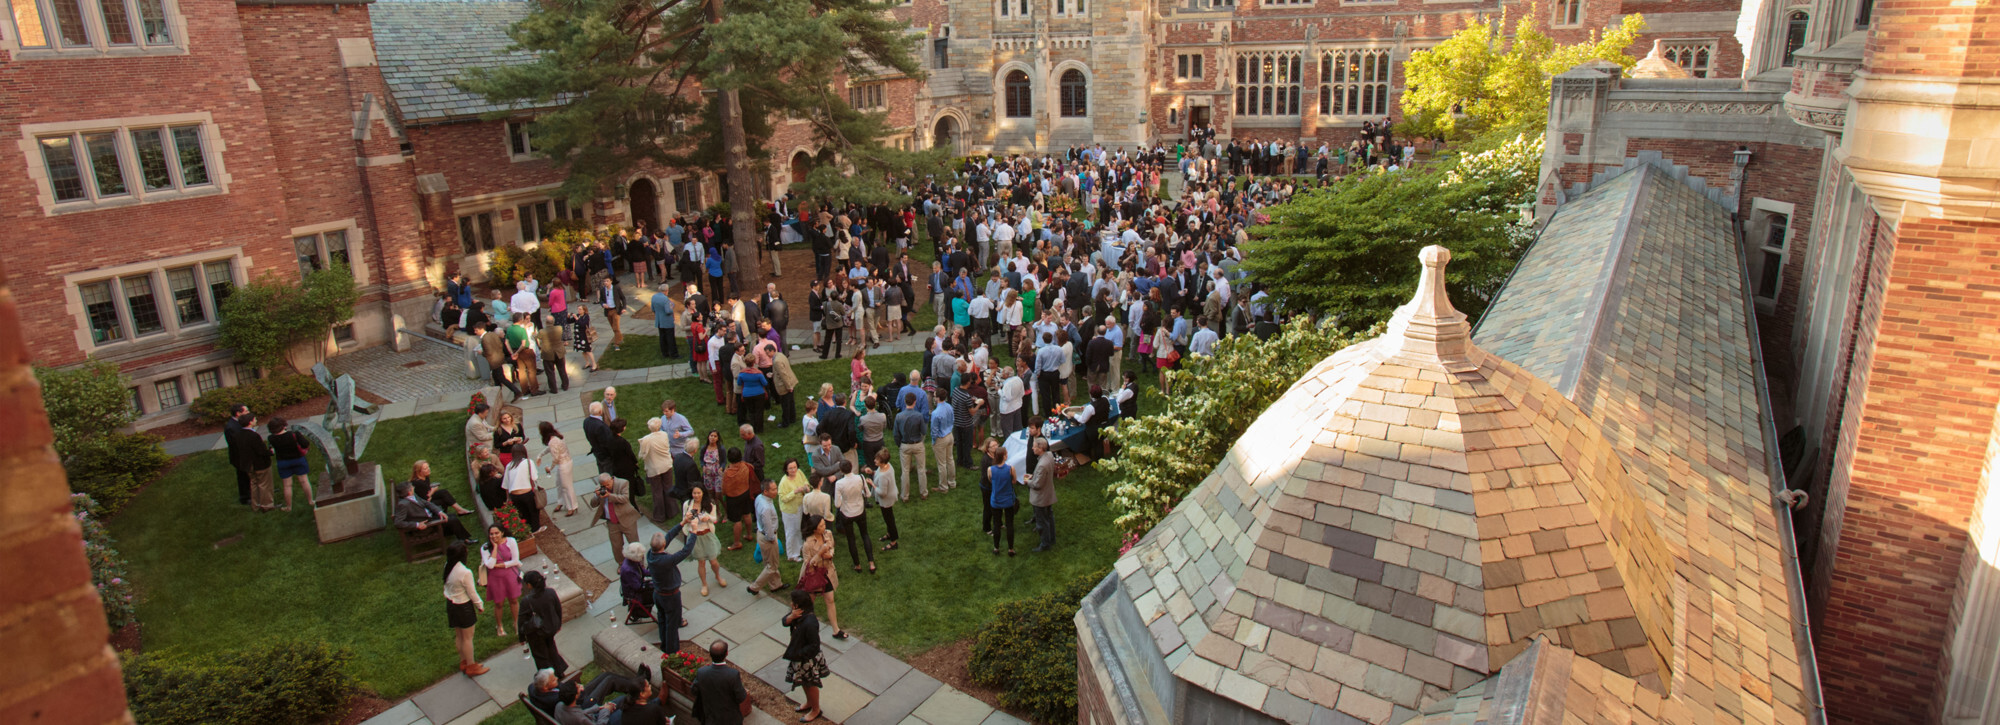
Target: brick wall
pixel 311 103
pixel 1934 38
pixel 1913 472
pixel 212 77
pixel 55 665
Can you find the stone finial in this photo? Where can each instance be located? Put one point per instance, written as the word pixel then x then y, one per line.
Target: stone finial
pixel 1656 65
pixel 1429 328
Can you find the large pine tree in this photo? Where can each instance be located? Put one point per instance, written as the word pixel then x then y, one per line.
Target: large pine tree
pixel 697 84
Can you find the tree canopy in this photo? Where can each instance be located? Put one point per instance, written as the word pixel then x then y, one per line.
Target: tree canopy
pixel 636 81
pixel 1348 250
pixel 265 320
pixel 1471 85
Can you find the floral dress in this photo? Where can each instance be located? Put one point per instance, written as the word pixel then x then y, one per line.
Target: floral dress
pixel 711 471
pixel 580 331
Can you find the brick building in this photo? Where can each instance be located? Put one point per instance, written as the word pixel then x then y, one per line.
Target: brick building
pixel 1027 74
pixel 1859 157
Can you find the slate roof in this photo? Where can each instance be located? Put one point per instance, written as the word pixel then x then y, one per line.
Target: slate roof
pixel 423 45
pixel 1420 528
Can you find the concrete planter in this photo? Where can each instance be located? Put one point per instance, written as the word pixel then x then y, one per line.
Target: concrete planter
pixel 361 509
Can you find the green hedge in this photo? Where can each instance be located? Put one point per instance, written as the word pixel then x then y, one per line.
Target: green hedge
pixel 1028 651
pixel 280 682
pixel 110 468
pixel 263 397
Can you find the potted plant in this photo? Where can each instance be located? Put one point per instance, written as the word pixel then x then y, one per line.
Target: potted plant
pixel 677 670
pixel 510 521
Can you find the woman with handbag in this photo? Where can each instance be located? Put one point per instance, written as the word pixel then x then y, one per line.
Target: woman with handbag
pixel 1164 355
pixel 555 447
pixel 808 664
pixel 500 573
pixel 539 620
pixel 289 448
pixel 461 606
pixel 520 482
pixel 582 334
pixel 817 576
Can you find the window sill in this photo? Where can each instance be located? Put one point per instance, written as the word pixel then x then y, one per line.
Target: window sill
pixel 154 343
pixel 106 52
pixel 152 197
pixel 1266 121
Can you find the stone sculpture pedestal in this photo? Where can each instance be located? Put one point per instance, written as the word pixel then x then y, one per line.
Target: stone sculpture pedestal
pixel 361 508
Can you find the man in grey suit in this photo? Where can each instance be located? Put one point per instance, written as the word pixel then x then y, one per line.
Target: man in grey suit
pixel 614 504
pixel 416 514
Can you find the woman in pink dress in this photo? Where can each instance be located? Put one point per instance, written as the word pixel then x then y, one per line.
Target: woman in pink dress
pixel 501 558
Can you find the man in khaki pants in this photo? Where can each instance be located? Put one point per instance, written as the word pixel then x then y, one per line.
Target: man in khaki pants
pixel 910 430
pixel 941 445
pixel 767 540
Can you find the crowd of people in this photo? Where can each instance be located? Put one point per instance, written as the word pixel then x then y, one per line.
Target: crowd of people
pixel 1057 282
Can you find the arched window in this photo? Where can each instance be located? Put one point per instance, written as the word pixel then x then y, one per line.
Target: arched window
pixel 1795 34
pixel 1020 97
pixel 1074 93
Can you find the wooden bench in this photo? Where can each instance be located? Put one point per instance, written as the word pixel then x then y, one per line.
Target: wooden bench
pixel 543 717
pixel 421 544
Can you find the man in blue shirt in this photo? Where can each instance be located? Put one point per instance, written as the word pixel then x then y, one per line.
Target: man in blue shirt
pixel 1048 375
pixel 941 445
pixel 663 322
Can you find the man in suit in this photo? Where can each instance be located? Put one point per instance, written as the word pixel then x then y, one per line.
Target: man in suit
pixel 614 504
pixel 719 697
pixel 666 571
pixel 413 513
pixel 255 456
pixel 231 426
pixel 597 431
pixel 656 449
pixel 612 298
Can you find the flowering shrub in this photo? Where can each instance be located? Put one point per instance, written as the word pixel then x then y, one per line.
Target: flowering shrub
pixel 473 404
pixel 683 663
pixel 107 567
pixel 1164 456
pixel 511 521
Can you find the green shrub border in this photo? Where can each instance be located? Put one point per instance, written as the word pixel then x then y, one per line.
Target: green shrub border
pixel 287 681
pixel 263 396
pixel 1028 651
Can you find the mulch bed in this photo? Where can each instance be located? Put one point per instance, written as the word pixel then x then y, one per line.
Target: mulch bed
pixel 297 411
pixel 556 545
pixel 128 639
pixel 948 663
pixel 363 706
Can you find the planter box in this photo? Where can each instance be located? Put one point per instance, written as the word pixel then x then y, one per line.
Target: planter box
pixel 361 509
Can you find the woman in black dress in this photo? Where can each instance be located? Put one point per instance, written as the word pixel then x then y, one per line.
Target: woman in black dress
pixel 623 462
pixel 491 491
pixel 506 436
pixel 808 665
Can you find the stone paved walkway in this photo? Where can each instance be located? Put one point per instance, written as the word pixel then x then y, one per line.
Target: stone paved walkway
pixel 866 685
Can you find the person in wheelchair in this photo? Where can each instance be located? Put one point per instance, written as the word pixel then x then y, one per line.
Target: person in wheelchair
pixel 636 585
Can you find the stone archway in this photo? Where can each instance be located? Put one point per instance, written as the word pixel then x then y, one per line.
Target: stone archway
pixel 945 134
pixel 802 164
pixel 643 199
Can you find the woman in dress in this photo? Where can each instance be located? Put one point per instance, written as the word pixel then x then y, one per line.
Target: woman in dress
pixel 858 373
pixel 580 333
pixel 520 483
pixel 1000 477
pixel 808 665
pixel 506 437
pixel 817 576
pixel 712 464
pixel 699 516
pixel 556 448
pixel 1163 355
pixel 462 606
pixel 289 448
pixel 500 556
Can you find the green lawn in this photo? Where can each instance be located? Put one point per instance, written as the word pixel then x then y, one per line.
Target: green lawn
pixel 943 582
pixel 276 580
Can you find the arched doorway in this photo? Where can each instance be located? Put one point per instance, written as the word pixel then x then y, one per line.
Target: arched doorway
pixel 802 164
pixel 945 134
pixel 644 201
